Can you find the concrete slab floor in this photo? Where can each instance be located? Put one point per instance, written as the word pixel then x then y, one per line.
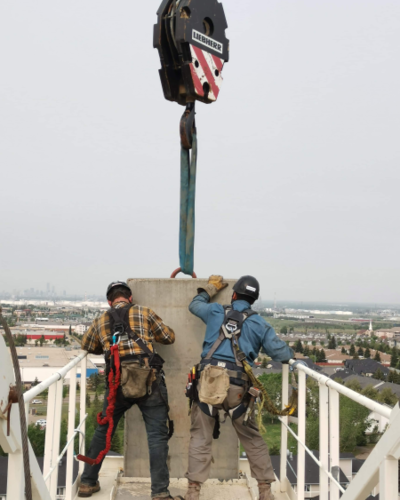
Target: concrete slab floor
pixel 112 466
pixel 139 489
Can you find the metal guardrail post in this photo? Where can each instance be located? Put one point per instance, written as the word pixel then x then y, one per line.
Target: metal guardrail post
pixel 284 432
pixel 301 432
pixel 48 442
pixel 82 411
pixel 71 427
pixel 389 478
pixel 323 441
pixel 53 432
pixel 334 441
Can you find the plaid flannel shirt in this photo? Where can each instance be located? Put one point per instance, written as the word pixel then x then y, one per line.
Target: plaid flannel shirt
pixel 143 321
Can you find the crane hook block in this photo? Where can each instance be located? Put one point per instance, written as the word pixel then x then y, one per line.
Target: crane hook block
pixel 190 38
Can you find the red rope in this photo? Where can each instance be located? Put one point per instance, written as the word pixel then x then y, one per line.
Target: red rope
pixel 113 384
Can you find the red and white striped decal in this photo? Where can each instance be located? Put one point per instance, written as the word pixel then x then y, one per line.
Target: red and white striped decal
pixel 206 68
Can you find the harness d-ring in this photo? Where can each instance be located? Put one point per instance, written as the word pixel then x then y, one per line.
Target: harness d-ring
pixel 177 271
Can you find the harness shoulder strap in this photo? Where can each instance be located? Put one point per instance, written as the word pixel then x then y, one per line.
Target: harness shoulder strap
pixel 234 326
pixel 250 312
pixel 117 320
pixel 120 324
pixel 221 336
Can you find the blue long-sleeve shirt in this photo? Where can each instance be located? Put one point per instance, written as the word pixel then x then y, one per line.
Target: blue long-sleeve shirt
pixel 256 332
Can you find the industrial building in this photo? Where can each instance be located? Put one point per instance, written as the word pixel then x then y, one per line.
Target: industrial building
pixel 39 363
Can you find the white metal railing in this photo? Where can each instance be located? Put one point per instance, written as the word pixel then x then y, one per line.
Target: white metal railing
pixel 46 482
pixel 380 468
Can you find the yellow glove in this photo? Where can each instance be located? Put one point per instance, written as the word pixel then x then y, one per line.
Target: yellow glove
pixel 215 284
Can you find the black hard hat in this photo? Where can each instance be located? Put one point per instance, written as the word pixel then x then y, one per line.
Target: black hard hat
pixel 247 285
pixel 116 283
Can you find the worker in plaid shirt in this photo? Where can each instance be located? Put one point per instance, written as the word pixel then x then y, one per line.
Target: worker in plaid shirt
pixel 98 340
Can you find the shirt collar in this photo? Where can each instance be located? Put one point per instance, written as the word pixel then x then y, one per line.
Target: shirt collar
pixel 240 305
pixel 117 305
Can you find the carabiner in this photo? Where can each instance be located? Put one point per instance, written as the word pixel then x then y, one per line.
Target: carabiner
pixel 117 338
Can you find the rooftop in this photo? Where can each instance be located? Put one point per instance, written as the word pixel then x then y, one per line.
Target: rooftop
pixel 55 357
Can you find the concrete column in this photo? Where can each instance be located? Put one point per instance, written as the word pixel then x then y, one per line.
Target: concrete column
pixel 170 299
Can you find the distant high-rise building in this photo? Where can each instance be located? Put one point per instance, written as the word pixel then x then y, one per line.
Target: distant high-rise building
pixel 48 288
pixel 370 326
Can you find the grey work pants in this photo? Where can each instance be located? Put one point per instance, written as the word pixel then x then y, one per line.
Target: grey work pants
pixel 200 446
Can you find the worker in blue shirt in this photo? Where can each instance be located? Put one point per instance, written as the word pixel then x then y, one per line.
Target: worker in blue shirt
pixel 222 384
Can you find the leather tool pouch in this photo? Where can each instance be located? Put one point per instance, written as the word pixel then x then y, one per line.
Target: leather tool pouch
pixel 136 380
pixel 214 385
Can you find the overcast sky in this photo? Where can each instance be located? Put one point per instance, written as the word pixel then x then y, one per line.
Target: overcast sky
pixel 298 171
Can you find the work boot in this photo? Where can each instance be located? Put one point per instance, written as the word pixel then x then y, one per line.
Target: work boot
pixel 265 491
pixel 168 498
pixel 85 490
pixel 193 492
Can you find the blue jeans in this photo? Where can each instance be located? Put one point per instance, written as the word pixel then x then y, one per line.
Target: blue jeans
pixel 155 415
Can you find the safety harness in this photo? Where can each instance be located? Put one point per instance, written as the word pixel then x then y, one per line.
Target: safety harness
pixel 121 330
pixel 231 330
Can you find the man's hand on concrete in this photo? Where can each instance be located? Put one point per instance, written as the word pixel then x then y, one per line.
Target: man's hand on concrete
pixel 215 284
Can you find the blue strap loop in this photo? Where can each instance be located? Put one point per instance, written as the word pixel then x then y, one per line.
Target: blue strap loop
pixel 187 210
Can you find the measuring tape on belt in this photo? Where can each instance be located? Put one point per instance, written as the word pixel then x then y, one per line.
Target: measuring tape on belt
pixel 113 384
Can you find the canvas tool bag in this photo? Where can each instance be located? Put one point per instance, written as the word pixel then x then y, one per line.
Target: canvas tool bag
pixel 214 385
pixel 136 380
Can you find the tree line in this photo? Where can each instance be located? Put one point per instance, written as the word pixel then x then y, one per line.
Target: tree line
pixel 353 417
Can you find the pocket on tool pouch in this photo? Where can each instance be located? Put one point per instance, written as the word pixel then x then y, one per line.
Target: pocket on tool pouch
pixel 136 380
pixel 214 385
pixel 235 396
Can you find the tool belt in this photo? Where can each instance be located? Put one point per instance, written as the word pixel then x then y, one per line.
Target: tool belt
pixel 142 359
pixel 236 374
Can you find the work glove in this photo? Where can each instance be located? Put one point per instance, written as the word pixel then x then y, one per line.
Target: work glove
pixel 296 363
pixel 215 284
